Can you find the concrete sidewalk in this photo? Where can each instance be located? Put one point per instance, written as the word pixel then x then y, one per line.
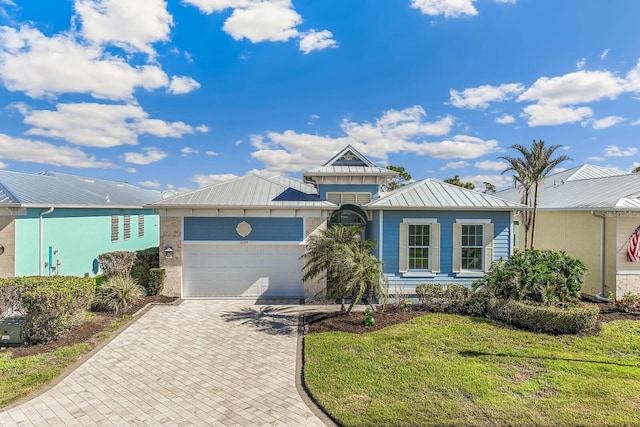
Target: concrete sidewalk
pixel 203 362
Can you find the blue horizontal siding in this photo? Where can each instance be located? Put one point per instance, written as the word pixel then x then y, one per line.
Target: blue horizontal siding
pixel 390 242
pixel 262 229
pixel 323 189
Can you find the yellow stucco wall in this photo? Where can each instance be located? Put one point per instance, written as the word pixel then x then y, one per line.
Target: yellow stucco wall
pixel 628 273
pixel 576 233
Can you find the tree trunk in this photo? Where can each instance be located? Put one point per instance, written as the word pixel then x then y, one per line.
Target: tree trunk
pixel 535 211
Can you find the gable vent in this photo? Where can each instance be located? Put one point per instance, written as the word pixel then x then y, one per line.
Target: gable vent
pixel 349 198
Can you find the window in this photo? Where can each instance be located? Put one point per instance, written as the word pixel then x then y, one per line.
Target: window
pixel 516 234
pixel 472 246
pixel 140 226
pixel 127 227
pixel 114 228
pixel 419 247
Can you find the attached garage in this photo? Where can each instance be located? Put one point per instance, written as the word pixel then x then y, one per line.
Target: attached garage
pixel 246 270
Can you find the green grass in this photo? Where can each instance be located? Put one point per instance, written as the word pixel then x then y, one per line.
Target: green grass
pixel 22 376
pixel 446 370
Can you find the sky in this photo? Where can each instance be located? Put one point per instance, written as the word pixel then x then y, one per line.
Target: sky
pixel 177 95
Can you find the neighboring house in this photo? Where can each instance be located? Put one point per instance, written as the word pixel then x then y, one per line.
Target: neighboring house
pixel 590 212
pixel 53 223
pixel 247 237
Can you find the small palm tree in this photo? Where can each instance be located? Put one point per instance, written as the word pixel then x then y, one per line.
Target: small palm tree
pixel 339 254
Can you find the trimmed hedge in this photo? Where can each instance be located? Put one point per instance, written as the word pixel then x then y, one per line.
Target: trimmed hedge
pixel 117 263
pixel 545 319
pixel 53 304
pixel 146 260
pixel 454 299
pixel 155 285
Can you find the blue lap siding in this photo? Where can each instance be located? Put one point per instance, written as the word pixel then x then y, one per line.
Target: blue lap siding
pixel 262 229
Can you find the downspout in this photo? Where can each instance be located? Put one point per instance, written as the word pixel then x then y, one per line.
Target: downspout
pixel 41 231
pixel 600 296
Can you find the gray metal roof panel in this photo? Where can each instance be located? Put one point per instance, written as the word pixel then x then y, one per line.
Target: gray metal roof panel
pixel 608 192
pixel 248 191
pixel 57 189
pixel 351 170
pixel 434 194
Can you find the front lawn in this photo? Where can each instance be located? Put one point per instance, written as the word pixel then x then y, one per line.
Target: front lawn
pixel 447 370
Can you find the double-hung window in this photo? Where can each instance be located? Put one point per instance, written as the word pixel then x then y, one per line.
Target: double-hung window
pixel 419 247
pixel 472 246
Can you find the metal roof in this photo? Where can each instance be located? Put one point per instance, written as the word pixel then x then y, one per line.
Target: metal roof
pixel 46 189
pixel 606 193
pixel 351 171
pixel 250 191
pixel 434 194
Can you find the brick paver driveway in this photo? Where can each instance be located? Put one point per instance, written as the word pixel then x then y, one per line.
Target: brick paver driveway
pixel 203 362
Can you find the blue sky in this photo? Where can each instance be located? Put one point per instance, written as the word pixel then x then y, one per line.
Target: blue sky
pixel 175 95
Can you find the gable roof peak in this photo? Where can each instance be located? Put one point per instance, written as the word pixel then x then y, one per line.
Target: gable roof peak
pixel 349 156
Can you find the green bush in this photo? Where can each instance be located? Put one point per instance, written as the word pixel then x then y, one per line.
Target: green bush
pixel 155 285
pixel 452 298
pixel 53 304
pixel 629 303
pixel 541 318
pixel 430 295
pixel 146 259
pixel 117 263
pixel 544 277
pixel 117 294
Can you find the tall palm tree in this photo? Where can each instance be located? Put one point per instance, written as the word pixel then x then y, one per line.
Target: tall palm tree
pixel 339 254
pixel 530 169
pixel 543 165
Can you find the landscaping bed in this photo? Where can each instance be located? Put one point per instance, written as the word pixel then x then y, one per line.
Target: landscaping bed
pixel 89 331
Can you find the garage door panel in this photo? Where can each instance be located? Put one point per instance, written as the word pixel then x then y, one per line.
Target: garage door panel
pixel 247 270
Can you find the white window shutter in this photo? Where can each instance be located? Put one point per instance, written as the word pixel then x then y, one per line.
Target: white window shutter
pixel 488 245
pixel 403 261
pixel 457 253
pixel 435 248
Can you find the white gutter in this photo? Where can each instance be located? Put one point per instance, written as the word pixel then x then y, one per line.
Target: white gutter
pixel 41 231
pixel 600 296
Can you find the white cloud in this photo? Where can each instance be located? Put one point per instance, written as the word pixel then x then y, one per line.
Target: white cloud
pixel 454 165
pixel 150 155
pixel 101 125
pixel 595 159
pixel 205 180
pixel 150 184
pixel 132 170
pixel 607 122
pixel 211 6
pixel 491 165
pixel 3 165
pixel 581 63
pixel 263 21
pixel 211 153
pixel 635 123
pixel 316 40
pixel 505 1
pixel 575 88
pixel 44 66
pixel 188 150
pixel 505 119
pixel 499 181
pixel 131 25
pixel 480 97
pixel 448 8
pixel 551 114
pixel 604 54
pixel 27 150
pixel 615 151
pixel 397 131
pixel 182 85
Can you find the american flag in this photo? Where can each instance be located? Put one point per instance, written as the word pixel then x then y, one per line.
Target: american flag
pixel 633 246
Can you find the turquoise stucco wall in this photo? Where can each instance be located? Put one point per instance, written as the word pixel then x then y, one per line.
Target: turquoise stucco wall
pixel 79 235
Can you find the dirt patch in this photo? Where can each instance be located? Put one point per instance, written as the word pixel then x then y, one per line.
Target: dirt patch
pixel 88 331
pixel 354 323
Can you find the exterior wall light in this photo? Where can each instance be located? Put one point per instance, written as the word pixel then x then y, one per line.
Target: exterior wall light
pixel 168 252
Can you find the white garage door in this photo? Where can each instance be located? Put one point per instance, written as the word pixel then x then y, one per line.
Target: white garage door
pixel 242 270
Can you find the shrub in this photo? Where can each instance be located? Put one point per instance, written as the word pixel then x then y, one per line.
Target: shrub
pixel 477 303
pixel 146 259
pixel 117 294
pixel 117 263
pixel 156 281
pixel 629 303
pixel 544 277
pixel 53 305
pixel 427 293
pixel 540 318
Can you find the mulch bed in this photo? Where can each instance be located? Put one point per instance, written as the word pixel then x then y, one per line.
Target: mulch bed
pixel 88 331
pixel 354 323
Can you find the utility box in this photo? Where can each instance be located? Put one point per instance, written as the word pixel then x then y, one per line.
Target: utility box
pixel 12 331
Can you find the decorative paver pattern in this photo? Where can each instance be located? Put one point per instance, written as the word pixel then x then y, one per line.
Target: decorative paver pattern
pixel 203 362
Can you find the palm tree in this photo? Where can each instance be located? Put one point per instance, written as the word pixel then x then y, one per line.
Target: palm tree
pixel 347 262
pixel 530 169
